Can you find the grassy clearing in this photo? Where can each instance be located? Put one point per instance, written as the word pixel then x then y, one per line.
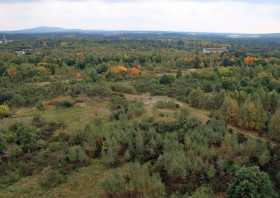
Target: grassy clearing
pixel 151 101
pixel 75 118
pixel 84 183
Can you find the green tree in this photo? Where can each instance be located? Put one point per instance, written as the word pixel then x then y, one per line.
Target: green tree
pixel 135 180
pixel 167 79
pixel 252 115
pixel 230 110
pixel 251 183
pixel 26 137
pixel 195 98
pixel 203 192
pixel 274 126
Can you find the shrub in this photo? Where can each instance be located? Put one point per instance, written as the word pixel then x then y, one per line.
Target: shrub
pixel 135 109
pixel 134 181
pixel 121 107
pixel 51 178
pixel 123 88
pixel 102 68
pixel 167 105
pixel 40 106
pixel 38 121
pixel 100 89
pixel 77 156
pixel 167 79
pixel 93 75
pixel 64 104
pixel 203 192
pixel 3 144
pixel 26 137
pixel 4 111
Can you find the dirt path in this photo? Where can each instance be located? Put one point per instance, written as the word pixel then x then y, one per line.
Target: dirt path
pixel 203 115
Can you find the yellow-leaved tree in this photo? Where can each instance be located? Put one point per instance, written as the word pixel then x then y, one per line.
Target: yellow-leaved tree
pixel 4 111
pixel 252 115
pixel 12 72
pixel 230 110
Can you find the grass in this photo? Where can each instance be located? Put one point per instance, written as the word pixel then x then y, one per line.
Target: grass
pixel 84 183
pixel 167 105
pixel 75 118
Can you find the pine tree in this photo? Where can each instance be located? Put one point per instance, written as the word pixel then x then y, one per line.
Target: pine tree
pixel 251 182
pixel 274 126
pixel 230 110
pixel 253 115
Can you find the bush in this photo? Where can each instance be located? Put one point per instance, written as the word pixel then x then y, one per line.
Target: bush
pixel 40 106
pixel 51 178
pixel 100 89
pixel 123 88
pixel 25 137
pixel 167 105
pixel 134 181
pixel 121 107
pixel 203 192
pixel 64 104
pixel 77 156
pixel 251 182
pixel 93 75
pixel 167 79
pixel 102 68
pixel 135 109
pixel 4 111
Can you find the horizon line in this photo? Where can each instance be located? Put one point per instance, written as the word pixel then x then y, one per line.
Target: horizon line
pixel 65 29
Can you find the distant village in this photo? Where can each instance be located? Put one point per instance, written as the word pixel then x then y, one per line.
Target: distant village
pixel 20 51
pixel 23 51
pixel 215 50
pixel 4 40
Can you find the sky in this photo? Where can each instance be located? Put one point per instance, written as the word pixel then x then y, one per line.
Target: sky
pixel 234 16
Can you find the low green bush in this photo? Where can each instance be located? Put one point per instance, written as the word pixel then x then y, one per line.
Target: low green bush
pixel 51 178
pixel 122 88
pixel 134 181
pixel 167 105
pixel 64 104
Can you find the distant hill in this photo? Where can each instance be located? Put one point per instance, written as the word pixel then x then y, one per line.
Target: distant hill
pixel 41 30
pixel 58 30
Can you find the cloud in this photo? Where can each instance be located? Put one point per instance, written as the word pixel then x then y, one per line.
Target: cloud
pixel 174 15
pixel 136 1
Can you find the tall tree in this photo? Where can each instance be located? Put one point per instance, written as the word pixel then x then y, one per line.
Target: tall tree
pixel 274 126
pixel 251 183
pixel 230 110
pixel 252 115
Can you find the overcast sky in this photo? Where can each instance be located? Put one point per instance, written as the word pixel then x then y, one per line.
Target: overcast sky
pixel 243 16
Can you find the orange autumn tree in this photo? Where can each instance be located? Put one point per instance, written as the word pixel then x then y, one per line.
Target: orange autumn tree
pixel 134 71
pixel 119 69
pixel 78 76
pixel 12 72
pixel 249 60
